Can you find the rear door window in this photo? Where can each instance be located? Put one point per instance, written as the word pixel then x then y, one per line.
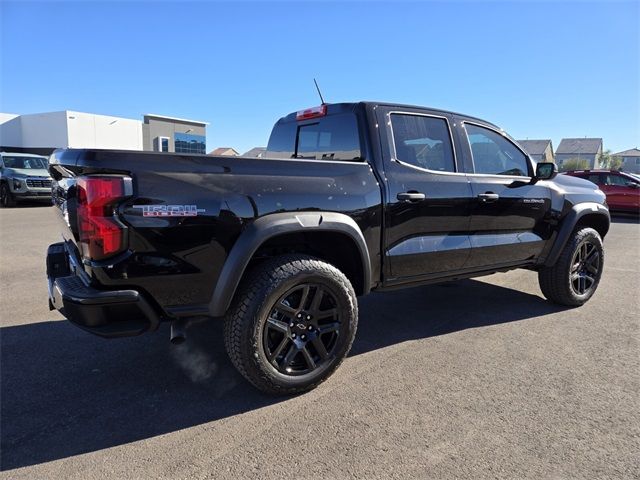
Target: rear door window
pixel 423 141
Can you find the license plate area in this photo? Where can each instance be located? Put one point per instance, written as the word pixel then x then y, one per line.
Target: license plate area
pixel 57 261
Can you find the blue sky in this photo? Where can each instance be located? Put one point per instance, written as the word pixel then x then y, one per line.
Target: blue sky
pixel 537 69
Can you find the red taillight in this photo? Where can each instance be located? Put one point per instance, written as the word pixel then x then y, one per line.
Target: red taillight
pixel 314 112
pixel 101 235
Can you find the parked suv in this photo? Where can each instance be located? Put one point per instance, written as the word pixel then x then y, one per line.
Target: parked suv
pixel 349 198
pixel 622 189
pixel 23 176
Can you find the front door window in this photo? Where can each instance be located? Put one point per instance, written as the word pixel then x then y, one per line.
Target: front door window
pixel 493 154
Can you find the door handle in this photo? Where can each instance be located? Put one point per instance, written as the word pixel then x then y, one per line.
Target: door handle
pixel 488 197
pixel 411 196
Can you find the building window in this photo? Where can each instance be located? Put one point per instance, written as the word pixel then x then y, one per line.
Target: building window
pixel 161 144
pixel 188 143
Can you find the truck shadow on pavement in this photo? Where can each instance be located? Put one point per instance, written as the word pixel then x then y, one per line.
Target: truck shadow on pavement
pixel 65 392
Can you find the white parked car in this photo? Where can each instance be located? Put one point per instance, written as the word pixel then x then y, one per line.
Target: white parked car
pixel 23 176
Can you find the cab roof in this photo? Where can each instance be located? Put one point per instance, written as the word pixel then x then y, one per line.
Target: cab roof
pixel 347 107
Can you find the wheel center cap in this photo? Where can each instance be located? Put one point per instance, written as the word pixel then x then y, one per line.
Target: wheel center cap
pixel 301 326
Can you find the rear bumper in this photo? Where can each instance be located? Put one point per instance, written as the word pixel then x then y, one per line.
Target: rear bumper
pixel 111 314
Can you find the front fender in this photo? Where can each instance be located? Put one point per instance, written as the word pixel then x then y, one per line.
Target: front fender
pixel 268 227
pixel 568 224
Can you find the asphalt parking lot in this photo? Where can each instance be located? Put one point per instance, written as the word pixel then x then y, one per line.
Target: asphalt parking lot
pixel 474 379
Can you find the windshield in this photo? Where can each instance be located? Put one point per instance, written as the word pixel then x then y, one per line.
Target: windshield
pixel 25 162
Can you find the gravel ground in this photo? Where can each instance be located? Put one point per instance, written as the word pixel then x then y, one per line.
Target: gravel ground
pixel 473 379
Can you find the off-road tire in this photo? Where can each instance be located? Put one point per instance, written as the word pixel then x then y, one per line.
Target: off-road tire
pixel 256 298
pixel 7 199
pixel 556 281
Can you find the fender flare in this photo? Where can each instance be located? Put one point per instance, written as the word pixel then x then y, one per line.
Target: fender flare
pixel 268 227
pixel 569 222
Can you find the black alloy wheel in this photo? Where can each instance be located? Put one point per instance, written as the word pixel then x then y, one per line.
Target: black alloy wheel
pixel 585 267
pixel 302 330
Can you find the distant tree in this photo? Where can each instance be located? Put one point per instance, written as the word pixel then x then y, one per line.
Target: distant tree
pixel 609 161
pixel 574 164
pixel 616 163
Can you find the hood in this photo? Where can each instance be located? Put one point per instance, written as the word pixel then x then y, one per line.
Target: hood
pixel 574 190
pixel 28 172
pixel 571 183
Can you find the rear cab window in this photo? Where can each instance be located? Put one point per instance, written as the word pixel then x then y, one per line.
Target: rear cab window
pixel 332 137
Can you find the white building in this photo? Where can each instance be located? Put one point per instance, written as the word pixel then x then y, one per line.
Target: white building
pixel 69 129
pixel 44 132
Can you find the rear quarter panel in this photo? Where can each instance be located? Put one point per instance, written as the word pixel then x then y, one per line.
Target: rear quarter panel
pixel 177 260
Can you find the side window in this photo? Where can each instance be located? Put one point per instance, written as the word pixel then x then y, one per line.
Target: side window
pixel 423 141
pixel 493 154
pixel 331 138
pixel 616 180
pixel 595 178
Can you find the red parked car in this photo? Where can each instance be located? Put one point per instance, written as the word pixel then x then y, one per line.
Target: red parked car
pixel 622 189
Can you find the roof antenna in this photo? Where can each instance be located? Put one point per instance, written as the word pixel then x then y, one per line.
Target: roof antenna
pixel 319 93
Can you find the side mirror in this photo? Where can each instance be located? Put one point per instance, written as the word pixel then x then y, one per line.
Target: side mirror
pixel 633 184
pixel 546 170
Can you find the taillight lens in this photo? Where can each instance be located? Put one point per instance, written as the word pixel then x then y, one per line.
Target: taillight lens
pixel 100 233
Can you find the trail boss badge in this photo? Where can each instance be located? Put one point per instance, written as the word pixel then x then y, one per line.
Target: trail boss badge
pixel 170 210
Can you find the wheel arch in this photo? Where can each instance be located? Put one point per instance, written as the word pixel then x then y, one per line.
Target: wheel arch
pixel 293 232
pixel 590 214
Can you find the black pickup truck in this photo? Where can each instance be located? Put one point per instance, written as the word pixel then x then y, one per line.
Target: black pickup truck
pixel 350 198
